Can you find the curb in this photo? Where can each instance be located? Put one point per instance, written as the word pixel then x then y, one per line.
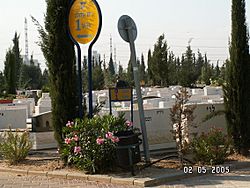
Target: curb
pixel 142 182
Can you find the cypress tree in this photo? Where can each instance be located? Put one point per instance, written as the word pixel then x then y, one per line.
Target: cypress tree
pixel 59 52
pixel 111 66
pixel 98 76
pixel 150 74
pixel 18 59
pixel 236 91
pixel 159 62
pixel 10 72
pixel 187 68
pixel 2 83
pixel 142 70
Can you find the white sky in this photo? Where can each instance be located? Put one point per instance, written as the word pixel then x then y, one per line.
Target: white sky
pixel 206 21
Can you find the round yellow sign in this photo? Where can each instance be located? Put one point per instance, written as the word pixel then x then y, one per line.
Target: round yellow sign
pixel 83 21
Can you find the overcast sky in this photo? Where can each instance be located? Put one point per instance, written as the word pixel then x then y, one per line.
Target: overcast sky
pixel 207 22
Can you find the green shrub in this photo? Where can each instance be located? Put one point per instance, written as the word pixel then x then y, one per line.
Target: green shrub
pixel 14 146
pixel 90 143
pixel 211 148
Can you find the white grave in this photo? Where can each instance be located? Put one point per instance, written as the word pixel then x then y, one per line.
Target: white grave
pixel 43 104
pixel 13 116
pixel 28 102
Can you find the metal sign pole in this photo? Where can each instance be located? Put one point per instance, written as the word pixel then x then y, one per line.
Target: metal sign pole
pixel 90 59
pixel 79 80
pixel 139 98
pixel 127 30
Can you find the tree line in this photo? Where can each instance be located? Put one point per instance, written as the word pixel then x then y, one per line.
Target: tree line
pixel 19 76
pixel 163 69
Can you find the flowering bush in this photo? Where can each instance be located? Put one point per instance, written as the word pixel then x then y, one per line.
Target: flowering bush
pixel 89 144
pixel 123 125
pixel 211 148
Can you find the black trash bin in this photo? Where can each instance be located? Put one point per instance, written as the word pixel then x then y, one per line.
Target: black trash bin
pixel 128 140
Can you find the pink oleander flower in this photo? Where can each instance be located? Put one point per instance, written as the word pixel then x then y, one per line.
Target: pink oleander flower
pixel 67 140
pixel 77 149
pixel 109 135
pixel 129 123
pixel 69 124
pixel 115 139
pixel 100 141
pixel 75 138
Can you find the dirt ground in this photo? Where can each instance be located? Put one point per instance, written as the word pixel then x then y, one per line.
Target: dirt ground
pixel 50 162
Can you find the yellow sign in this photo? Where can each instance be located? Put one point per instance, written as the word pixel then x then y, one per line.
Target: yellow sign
pixel 83 21
pixel 120 94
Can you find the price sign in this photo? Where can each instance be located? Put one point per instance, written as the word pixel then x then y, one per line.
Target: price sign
pixel 83 21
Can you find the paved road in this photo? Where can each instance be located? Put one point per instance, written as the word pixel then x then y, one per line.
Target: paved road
pixel 12 180
pixel 237 179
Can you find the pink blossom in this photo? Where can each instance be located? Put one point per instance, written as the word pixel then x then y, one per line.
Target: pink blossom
pixel 109 135
pixel 100 140
pixel 115 139
pixel 67 140
pixel 75 138
pixel 129 123
pixel 77 149
pixel 69 124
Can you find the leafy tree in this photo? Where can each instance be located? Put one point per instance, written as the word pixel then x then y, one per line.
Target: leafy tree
pixel 130 75
pixel 111 67
pixel 122 74
pixel 17 53
pixel 150 74
pixel 12 66
pixel 217 70
pixel 10 72
pixel 159 63
pixel 173 69
pixel 206 72
pixel 2 83
pixel 120 70
pixel 187 78
pixel 178 70
pixel 98 76
pixel 45 80
pixel 59 52
pixel 142 69
pixel 31 76
pixel 199 63
pixel 236 90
